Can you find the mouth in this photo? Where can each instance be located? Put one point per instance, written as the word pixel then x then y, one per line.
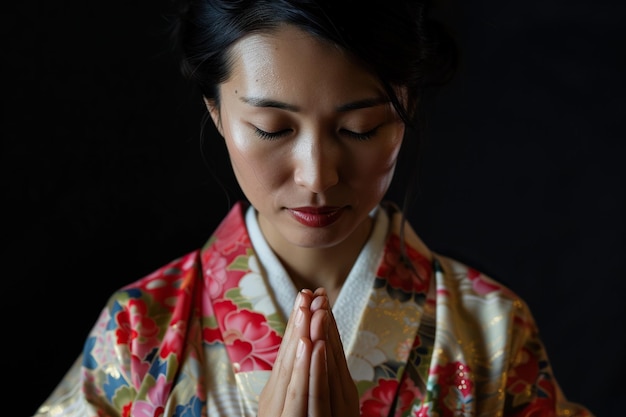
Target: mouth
pixel 316 216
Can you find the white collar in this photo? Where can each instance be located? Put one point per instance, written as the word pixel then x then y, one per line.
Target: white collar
pixel 355 292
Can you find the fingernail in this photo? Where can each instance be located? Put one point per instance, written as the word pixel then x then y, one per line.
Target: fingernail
pixel 320 302
pixel 300 348
pixel 299 315
pixel 317 303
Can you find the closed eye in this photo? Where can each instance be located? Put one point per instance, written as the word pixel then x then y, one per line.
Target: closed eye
pixel 360 136
pixel 270 135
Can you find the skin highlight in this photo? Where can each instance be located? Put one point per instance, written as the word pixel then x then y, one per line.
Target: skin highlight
pixel 304 143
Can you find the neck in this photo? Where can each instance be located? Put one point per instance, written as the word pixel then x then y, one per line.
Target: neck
pixel 322 267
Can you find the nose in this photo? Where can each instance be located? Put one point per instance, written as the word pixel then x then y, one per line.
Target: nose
pixel 316 163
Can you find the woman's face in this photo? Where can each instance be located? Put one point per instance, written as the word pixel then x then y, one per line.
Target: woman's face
pixel 312 138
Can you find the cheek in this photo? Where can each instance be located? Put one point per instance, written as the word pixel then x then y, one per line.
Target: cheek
pixel 377 165
pixel 381 171
pixel 371 174
pixel 254 163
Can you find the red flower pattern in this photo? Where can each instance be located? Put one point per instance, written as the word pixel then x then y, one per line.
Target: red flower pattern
pixel 253 345
pixel 377 401
pixel 521 380
pixel 455 386
pixel 398 275
pixel 145 331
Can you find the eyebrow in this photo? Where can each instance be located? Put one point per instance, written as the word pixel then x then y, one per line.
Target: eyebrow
pixel 355 105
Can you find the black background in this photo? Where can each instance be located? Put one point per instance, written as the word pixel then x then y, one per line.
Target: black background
pixel 523 176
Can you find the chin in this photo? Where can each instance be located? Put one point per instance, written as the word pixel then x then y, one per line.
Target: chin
pixel 320 238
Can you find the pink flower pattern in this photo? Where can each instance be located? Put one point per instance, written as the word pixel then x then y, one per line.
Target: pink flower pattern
pixel 251 343
pixel 170 318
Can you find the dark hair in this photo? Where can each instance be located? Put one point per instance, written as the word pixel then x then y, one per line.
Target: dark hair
pixel 394 39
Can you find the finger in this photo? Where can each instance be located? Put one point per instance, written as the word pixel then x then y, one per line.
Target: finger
pixel 319 404
pixel 320 300
pixel 297 394
pixel 303 299
pixel 295 326
pixel 320 291
pixel 320 306
pixel 292 400
pixel 273 394
pixel 324 327
pixel 320 320
pixel 343 392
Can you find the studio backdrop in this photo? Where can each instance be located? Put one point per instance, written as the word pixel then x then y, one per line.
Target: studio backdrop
pixel 107 174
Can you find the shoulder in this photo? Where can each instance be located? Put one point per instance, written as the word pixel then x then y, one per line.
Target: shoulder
pixel 175 281
pixel 470 281
pixel 463 275
pixel 168 274
pixel 468 288
pixel 482 303
pixel 157 290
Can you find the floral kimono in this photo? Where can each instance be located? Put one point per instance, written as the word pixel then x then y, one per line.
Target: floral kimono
pixel 196 338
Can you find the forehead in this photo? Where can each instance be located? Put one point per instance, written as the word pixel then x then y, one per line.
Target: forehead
pixel 292 63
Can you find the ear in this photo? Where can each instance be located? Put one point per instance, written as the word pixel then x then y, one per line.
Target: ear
pixel 214 112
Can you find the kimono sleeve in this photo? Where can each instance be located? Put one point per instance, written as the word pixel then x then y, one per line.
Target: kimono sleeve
pixel 129 347
pixel 69 398
pixel 531 386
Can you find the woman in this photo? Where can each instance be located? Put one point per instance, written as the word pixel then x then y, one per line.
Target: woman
pixel 314 103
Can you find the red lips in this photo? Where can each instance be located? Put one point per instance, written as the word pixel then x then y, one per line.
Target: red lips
pixel 316 216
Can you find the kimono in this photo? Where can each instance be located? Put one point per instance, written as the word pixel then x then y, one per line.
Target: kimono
pixel 435 338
